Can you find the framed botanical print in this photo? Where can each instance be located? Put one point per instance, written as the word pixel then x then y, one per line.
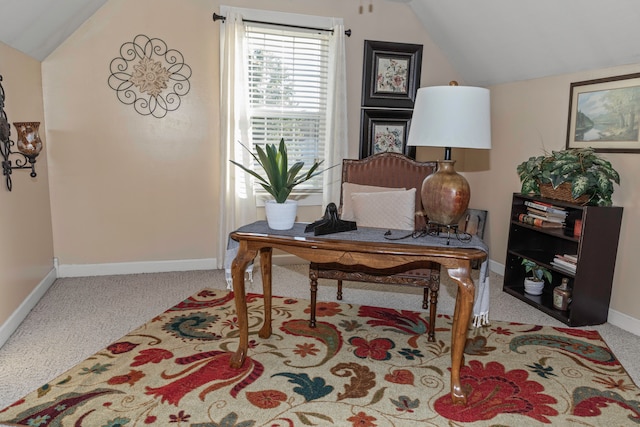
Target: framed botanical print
pixel 604 114
pixel 391 75
pixel 384 131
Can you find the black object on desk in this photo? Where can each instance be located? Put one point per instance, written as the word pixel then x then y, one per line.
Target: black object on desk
pixel 330 223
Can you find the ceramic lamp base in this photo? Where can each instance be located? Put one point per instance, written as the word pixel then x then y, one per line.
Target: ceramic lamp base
pixel 445 194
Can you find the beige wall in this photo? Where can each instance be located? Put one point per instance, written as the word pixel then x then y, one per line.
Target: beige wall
pixel 129 188
pixel 528 118
pixel 26 248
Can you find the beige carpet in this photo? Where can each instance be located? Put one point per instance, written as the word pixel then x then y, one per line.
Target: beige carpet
pixel 79 316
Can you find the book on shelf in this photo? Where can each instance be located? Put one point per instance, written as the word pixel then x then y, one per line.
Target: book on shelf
pixel 537 222
pixel 563 268
pixel 546 218
pixel 546 207
pixel 546 214
pixel 567 258
pixel 560 262
pixel 571 257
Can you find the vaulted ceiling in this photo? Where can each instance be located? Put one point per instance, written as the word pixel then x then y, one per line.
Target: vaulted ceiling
pixel 487 41
pixel 498 41
pixel 38 27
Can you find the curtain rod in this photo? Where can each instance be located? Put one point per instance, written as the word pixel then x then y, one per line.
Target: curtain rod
pixel 217 17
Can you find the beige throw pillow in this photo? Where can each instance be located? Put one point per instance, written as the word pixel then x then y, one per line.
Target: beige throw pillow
pixel 389 209
pixel 349 188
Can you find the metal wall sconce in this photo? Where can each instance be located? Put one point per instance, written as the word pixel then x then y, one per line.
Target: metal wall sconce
pixel 29 144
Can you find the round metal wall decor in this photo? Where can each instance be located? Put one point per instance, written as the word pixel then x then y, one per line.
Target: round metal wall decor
pixel 149 76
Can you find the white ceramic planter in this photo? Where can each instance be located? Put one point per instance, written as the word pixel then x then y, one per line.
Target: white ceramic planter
pixel 532 287
pixel 281 216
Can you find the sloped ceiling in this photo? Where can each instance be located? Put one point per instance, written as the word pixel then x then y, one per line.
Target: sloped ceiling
pixel 487 41
pixel 38 27
pixel 499 41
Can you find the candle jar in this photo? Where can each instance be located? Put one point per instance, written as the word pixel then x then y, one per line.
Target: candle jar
pixel 28 140
pixel 577 228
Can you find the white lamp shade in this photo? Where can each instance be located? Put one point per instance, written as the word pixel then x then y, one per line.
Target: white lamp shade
pixel 451 116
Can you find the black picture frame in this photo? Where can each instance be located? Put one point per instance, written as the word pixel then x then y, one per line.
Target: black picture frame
pixel 385 130
pixel 603 114
pixel 391 74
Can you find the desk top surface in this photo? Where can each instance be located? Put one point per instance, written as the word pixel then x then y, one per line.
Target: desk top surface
pixel 366 235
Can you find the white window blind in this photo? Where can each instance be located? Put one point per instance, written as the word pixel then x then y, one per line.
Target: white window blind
pixel 287 79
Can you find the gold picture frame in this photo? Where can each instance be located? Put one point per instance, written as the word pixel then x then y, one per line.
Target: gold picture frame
pixel 604 114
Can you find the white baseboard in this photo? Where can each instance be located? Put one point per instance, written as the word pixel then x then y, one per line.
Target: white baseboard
pixel 82 270
pixel 496 267
pixel 12 323
pixel 624 321
pixel 287 259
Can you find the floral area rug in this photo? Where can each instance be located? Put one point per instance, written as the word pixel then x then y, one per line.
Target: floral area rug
pixel 361 366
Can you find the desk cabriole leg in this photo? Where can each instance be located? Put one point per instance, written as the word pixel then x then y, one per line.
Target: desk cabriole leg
pixel 265 266
pixel 238 267
pixel 461 317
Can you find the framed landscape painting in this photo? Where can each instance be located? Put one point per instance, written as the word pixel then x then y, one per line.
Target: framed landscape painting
pixel 604 114
pixel 391 74
pixel 385 131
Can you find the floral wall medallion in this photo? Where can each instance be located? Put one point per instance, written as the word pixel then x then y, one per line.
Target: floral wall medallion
pixel 149 76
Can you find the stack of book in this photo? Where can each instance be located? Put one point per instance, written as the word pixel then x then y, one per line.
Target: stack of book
pixel 543 215
pixel 565 262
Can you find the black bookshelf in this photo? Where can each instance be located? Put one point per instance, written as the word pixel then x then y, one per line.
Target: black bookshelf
pixel 596 247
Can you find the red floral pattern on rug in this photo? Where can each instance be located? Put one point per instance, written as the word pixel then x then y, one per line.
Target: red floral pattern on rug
pixel 360 367
pixel 494 391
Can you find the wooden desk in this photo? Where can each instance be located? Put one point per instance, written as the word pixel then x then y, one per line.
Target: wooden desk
pixel 361 249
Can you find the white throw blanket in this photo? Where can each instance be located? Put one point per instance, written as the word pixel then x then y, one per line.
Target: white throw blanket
pixel 481 302
pixel 232 251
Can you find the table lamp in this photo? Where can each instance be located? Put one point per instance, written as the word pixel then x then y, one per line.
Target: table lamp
pixel 449 116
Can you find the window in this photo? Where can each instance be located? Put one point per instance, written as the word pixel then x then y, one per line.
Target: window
pixel 287 91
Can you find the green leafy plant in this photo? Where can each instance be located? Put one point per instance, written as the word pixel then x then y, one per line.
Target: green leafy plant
pixel 279 179
pixel 587 173
pixel 538 273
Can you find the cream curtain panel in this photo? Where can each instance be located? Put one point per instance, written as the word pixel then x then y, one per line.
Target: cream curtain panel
pixel 336 148
pixel 237 201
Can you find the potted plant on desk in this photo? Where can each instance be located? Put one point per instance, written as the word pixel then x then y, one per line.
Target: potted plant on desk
pixel 279 180
pixel 575 175
pixel 534 284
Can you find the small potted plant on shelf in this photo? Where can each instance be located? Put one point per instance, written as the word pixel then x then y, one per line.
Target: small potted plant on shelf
pixel 534 283
pixel 576 175
pixel 279 181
